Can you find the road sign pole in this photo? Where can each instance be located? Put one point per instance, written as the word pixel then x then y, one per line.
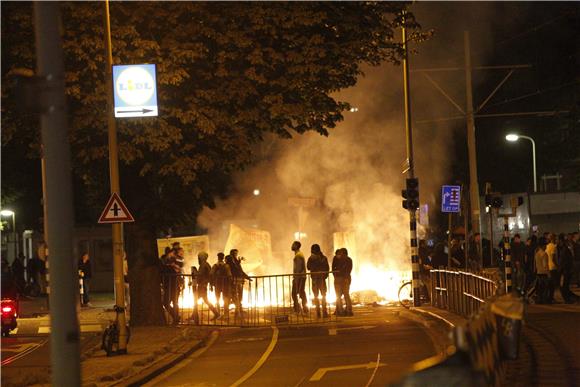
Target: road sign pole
pixel 449 240
pixel 118 248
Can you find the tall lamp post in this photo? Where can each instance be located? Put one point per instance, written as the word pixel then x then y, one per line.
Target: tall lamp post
pixel 515 137
pixel 13 215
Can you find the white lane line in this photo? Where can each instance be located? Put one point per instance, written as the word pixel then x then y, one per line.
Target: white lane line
pixel 32 347
pixel 334 331
pixel 158 379
pixel 319 374
pixel 262 360
pixel 375 371
pixel 91 328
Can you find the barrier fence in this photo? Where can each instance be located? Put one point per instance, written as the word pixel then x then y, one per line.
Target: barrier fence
pixel 459 291
pixel 260 301
pixel 489 337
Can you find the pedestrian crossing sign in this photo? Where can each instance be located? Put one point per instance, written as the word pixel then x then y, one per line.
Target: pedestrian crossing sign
pixel 115 211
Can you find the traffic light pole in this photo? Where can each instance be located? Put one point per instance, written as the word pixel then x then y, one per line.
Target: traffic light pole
pixel 410 171
pixel 118 248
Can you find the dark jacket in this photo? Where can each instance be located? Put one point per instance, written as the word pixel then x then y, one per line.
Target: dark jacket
pixel 236 267
pixel 343 267
pixel 316 263
pixel 85 268
pixel 565 256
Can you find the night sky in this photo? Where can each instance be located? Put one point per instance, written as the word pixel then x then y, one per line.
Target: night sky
pixel 543 35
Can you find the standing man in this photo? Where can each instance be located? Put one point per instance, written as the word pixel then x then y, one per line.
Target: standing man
pixel 342 266
pixel 85 272
pixel 542 271
pixel 552 252
pixel 203 280
pixel 318 266
pixel 566 259
pixel 518 256
pixel 239 277
pixel 221 277
pixel 173 266
pixel 299 279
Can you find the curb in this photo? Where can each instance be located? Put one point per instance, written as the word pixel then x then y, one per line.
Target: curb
pixel 157 368
pixel 435 315
pixel 441 343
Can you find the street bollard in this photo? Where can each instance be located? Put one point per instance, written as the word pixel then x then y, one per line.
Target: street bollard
pixel 509 312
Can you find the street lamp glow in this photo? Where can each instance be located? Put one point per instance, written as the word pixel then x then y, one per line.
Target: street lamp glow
pixel 515 137
pixel 353 109
pixel 256 192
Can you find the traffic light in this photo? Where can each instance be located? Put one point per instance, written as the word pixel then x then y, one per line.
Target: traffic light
pixel 496 202
pixel 411 194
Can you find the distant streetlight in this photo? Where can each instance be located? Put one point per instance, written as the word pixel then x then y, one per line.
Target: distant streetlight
pixel 256 192
pixel 13 215
pixel 353 109
pixel 512 137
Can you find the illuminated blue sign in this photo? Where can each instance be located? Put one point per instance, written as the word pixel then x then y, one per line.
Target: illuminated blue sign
pixel 135 90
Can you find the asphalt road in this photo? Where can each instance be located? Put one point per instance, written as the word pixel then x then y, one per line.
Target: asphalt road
pixel 371 349
pixel 26 358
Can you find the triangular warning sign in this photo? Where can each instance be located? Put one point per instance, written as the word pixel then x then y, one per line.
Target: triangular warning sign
pixel 115 211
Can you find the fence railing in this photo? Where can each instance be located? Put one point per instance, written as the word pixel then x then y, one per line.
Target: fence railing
pixel 260 301
pixel 460 291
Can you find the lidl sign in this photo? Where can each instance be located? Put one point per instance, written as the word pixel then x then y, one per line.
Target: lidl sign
pixel 135 90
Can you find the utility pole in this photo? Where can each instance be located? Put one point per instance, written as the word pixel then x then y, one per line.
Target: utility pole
pixel 471 147
pixel 65 335
pixel 118 247
pixel 411 175
pixel 469 114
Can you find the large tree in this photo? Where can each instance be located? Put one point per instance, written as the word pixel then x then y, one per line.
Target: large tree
pixel 228 74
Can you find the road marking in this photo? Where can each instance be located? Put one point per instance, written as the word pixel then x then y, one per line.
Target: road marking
pixel 83 328
pixel 319 374
pixel 334 331
pixel 246 339
pixel 262 360
pixel 26 351
pixel 375 370
pixel 91 328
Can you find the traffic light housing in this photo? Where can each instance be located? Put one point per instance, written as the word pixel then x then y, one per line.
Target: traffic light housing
pixel 411 194
pixel 496 202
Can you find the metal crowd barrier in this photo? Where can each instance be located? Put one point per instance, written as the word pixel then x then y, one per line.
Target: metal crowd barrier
pixel 460 291
pixel 266 300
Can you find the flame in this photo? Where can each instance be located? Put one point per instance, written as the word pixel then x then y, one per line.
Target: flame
pixel 275 291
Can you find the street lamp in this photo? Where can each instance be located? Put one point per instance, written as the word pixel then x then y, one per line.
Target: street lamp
pixel 13 215
pixel 512 137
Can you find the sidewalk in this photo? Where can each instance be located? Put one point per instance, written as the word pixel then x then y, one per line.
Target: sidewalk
pixel 151 350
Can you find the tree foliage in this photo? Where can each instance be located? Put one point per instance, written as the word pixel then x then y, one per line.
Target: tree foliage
pixel 227 74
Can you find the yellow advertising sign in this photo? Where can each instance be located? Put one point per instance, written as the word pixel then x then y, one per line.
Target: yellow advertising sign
pixel 252 244
pixel 192 245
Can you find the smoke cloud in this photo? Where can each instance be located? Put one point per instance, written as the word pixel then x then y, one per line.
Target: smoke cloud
pixel 355 175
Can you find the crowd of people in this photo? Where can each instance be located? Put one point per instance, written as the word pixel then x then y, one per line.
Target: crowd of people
pixel 227 278
pixel 540 265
